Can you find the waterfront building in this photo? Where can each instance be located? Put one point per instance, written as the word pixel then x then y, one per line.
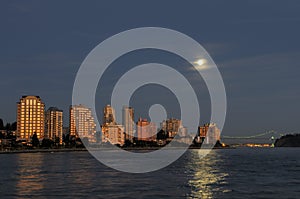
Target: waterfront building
pixel 183 131
pixel 82 122
pixel 54 124
pixel 30 117
pixel 208 133
pixel 171 127
pixel 108 115
pixel 184 136
pixel 146 131
pixel 202 131
pixel 128 122
pixel 213 134
pixel 113 133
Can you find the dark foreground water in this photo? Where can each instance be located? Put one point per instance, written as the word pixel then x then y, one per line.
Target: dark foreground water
pixel 232 173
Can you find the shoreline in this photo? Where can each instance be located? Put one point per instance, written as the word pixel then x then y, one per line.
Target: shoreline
pixel 84 149
pixel 126 149
pixel 42 150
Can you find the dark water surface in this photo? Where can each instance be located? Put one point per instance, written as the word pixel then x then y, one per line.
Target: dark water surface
pixel 232 173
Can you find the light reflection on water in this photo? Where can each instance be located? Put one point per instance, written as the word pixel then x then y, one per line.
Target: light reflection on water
pixel 207 179
pixel 29 172
pixel 48 175
pixel 234 173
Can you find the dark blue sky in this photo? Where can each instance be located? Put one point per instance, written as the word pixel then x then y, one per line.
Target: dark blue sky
pixel 255 44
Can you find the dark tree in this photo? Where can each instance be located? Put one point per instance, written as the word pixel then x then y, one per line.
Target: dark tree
pixel 34 140
pixel 56 140
pixel 162 135
pixel 1 124
pixel 1 135
pixel 47 143
pixel 64 137
pixel 128 143
pixel 7 126
pixel 78 143
pixel 72 141
pixel 13 126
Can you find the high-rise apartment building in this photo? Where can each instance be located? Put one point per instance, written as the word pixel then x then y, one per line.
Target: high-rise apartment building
pixel 30 117
pixel 171 126
pixel 109 115
pixel 128 122
pixel 213 134
pixel 111 131
pixel 146 131
pixel 208 133
pixel 202 131
pixel 113 134
pixel 54 124
pixel 82 122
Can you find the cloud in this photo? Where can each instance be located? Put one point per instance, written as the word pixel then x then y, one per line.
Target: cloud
pixel 281 60
pixel 263 78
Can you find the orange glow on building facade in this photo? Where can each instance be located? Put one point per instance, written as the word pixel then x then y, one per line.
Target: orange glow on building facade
pixel 146 131
pixel 171 126
pixel 111 131
pixel 54 124
pixel 128 122
pixel 113 134
pixel 209 133
pixel 82 122
pixel 30 117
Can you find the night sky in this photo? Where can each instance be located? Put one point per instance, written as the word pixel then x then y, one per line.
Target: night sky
pixel 255 44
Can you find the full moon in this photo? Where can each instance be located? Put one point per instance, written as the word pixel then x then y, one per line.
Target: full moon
pixel 200 62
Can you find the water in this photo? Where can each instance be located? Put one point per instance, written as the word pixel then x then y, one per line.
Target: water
pixel 232 173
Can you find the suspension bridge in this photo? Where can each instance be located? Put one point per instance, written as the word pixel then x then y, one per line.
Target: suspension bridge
pixel 267 136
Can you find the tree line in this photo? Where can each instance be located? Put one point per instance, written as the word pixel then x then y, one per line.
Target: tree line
pixel 8 126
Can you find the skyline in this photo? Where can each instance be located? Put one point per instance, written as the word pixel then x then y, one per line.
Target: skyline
pixel 109 119
pixel 35 123
pixel 256 53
